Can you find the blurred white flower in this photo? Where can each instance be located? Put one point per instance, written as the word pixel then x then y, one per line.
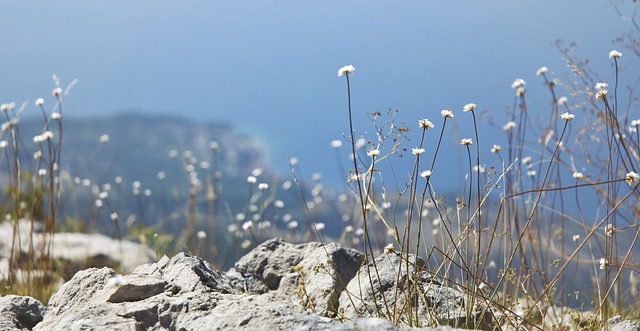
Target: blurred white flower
pixel 531 173
pixel 425 174
pixel 632 178
pixel 615 54
pixel 247 225
pixel 518 83
pixel 562 101
pixel 635 122
pixel 373 153
pixel 251 180
pixel 603 263
pixel 417 151
pixel 202 235
pixel 39 102
pixel 388 249
pixel 496 149
pixel 336 143
pixel 346 70
pixel 609 230
pixel 466 141
pixel 425 124
pixel 567 116
pixel 116 281
pixel 56 115
pixel 601 86
pixel 446 113
pixel 575 238
pixel 469 107
pixel 601 94
pixel 541 71
pixel 263 186
pixel 114 216
pixel 104 139
pixel 4 144
pixel 510 125
pixel 578 175
pixel 56 91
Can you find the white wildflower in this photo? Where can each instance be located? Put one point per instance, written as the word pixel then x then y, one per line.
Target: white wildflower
pixel 4 144
pixel 466 141
pixel 603 263
pixel 609 230
pixel 202 235
pixel 104 139
pixel 425 174
pixel 425 124
pixel 496 149
pixel 562 101
pixel 446 113
pixel 116 281
pixel 510 125
pixel 114 216
pixel 56 115
pixel 635 122
pixel 346 70
pixel 578 175
pixel 336 143
pixel 263 186
pixel 541 71
pixel 39 102
pixel 417 151
pixel 469 107
pixel 518 83
pixel 575 238
pixel 567 116
pixel 57 91
pixel 373 153
pixel 601 94
pixel 388 249
pixel 601 86
pixel 531 173
pixel 615 54
pixel 632 178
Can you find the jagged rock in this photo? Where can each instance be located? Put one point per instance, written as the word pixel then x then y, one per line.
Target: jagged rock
pixel 19 313
pixel 186 293
pixel 324 271
pixel 616 323
pixel 388 288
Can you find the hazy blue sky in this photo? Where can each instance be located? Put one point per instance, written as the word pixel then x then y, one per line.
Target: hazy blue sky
pixel 269 67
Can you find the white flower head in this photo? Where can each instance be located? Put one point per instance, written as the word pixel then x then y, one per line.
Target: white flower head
pixel 56 115
pixel 202 235
pixel 466 141
pixel 469 107
pixel 114 216
pixel 336 143
pixel 496 149
pixel 388 249
pixel 635 122
pixel 425 174
pixel 578 175
pixel 104 139
pixel 251 179
pixel 541 71
pixel 603 263
pixel 263 186
pixel 7 107
pixel 446 113
pixel 39 102
pixel 601 86
pixel 562 101
pixel 57 92
pixel 567 116
pixel 575 238
pixel 510 125
pixel 116 281
pixel 520 91
pixel 417 151
pixel 615 54
pixel 373 152
pixel 601 94
pixel 518 83
pixel 632 178
pixel 4 144
pixel 609 230
pixel 531 173
pixel 425 124
pixel 346 70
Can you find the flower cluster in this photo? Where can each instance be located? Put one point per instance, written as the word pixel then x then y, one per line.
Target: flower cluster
pixel 567 116
pixel 466 141
pixel 615 54
pixel 469 107
pixel 541 71
pixel 446 113
pixel 426 124
pixel 632 178
pixel 346 70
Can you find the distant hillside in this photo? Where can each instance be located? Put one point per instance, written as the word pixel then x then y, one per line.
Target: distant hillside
pixel 139 146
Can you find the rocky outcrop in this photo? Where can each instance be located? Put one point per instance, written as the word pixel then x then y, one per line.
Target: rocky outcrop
pixel 277 286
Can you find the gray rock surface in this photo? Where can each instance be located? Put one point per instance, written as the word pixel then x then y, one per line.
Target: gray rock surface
pixel 19 313
pixel 271 288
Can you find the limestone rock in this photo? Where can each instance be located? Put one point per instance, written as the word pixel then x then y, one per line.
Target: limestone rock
pixel 19 313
